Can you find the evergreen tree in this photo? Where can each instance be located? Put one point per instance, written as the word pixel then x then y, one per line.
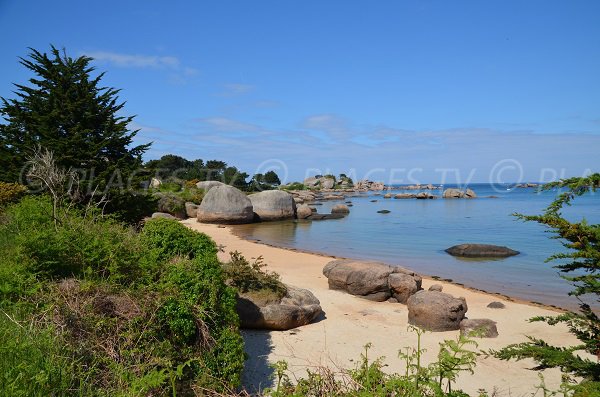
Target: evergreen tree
pixel 580 265
pixel 65 110
pixel 272 178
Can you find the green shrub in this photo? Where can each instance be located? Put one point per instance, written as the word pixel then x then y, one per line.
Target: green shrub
pixel 97 247
pixel 171 203
pixel 11 192
pixel 168 238
pixel 32 362
pixel 192 194
pixel 172 187
pixel 250 277
pixel 294 186
pixel 133 313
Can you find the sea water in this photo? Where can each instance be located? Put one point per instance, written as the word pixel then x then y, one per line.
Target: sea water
pixel 416 232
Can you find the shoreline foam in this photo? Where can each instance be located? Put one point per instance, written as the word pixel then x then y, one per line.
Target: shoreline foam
pixel 350 322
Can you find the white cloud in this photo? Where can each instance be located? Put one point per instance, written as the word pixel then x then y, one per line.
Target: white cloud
pixel 223 124
pixel 135 60
pixel 236 89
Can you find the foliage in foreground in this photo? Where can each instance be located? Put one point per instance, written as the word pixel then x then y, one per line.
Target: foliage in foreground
pixel 369 379
pixel 580 265
pixel 98 309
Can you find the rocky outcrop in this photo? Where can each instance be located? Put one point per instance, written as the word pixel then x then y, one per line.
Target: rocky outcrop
pixel 297 308
pixel 405 196
pixel 470 194
pixel 273 205
pixel 319 182
pixel 452 193
pixel 387 195
pixel 369 280
pixel 436 311
pixel 207 185
pixel 479 327
pixel 155 183
pixel 171 204
pixel 321 217
pixel 162 215
pixel 456 193
pixel 420 187
pixel 366 184
pixel 403 285
pixel 191 209
pixel 425 196
pixel 303 211
pixel 332 197
pixel 436 287
pixel 225 204
pixel 340 209
pixel 481 251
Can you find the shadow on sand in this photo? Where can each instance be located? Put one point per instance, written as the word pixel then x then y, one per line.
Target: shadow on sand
pixel 257 374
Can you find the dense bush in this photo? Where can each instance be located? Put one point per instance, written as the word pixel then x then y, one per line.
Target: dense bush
pixel 125 313
pixel 11 192
pixel 171 203
pixel 168 239
pixel 245 276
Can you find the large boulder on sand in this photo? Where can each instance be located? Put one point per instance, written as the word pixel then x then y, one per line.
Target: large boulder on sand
pixel 480 327
pixel 366 279
pixel 436 311
pixel 225 204
pixel 207 185
pixel 298 307
pixel 303 211
pixel 191 209
pixel 403 285
pixel 272 205
pixel 481 251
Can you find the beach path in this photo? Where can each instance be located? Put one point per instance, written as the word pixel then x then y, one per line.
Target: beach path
pixel 337 339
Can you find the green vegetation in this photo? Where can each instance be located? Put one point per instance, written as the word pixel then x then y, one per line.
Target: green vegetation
pixel 91 307
pixel 65 110
pixel 174 171
pixel 369 379
pixel 580 265
pixel 252 277
pixel 294 186
pixel 11 192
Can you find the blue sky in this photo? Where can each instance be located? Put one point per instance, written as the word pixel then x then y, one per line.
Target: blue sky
pixel 399 91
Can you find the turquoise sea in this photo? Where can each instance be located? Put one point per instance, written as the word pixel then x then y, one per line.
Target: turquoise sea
pixel 416 232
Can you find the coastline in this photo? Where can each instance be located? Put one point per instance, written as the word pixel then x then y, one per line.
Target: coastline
pixel 337 340
pixel 432 277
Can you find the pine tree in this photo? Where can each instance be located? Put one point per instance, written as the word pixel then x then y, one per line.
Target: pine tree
pixel 64 109
pixel 580 265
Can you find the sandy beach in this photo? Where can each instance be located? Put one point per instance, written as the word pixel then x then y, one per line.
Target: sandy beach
pixel 350 322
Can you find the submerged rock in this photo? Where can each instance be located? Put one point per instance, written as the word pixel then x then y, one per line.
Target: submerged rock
pixel 340 209
pixel 481 251
pixel 303 211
